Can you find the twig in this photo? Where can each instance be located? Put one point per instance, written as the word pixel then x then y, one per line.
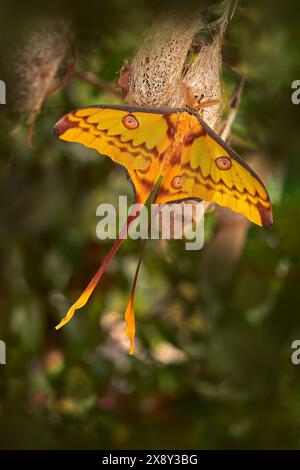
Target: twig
pixel 99 82
pixel 31 122
pixel 69 73
pixel 221 23
pixel 233 106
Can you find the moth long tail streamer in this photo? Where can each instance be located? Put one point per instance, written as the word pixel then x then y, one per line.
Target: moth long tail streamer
pixel 94 281
pixel 129 313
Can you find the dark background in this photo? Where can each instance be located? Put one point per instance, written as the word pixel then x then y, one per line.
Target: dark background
pixel 213 360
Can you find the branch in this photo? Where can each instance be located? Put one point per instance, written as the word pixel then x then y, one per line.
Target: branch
pixel 97 81
pixel 233 108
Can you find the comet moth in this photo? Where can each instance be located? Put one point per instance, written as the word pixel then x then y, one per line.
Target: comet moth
pixel 175 146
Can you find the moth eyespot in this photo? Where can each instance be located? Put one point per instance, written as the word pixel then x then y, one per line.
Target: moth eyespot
pixel 130 121
pixel 176 182
pixel 223 163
